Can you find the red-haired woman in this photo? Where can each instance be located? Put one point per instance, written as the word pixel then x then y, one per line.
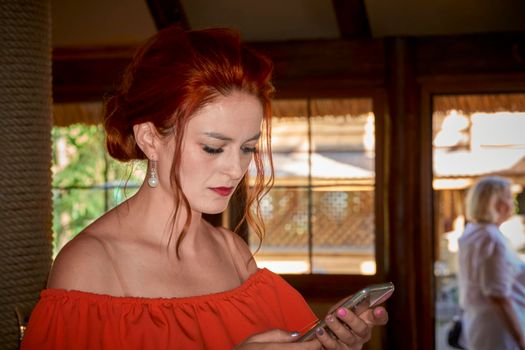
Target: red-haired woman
pixel 151 273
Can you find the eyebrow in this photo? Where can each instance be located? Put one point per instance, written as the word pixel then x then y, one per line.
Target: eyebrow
pixel 226 138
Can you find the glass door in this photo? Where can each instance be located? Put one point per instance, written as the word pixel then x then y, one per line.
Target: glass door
pixel 473 135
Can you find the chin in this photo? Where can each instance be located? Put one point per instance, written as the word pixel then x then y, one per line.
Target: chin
pixel 213 209
pixel 211 206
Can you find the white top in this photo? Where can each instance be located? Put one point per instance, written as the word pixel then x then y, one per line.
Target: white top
pixel 488 267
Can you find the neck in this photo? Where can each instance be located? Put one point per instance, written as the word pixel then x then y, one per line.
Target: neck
pixel 500 221
pixel 151 216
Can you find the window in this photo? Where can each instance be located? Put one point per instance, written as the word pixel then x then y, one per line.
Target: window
pixel 86 181
pixel 319 216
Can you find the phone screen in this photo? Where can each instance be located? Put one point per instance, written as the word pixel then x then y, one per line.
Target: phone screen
pixel 359 302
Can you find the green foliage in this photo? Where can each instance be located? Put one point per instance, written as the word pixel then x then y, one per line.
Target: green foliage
pixel 78 156
pixel 86 181
pixel 74 209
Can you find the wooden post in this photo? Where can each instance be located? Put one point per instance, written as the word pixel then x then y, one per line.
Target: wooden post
pixel 409 190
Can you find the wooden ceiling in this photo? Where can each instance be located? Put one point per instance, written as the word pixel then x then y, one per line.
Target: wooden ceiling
pixel 124 22
pixel 332 45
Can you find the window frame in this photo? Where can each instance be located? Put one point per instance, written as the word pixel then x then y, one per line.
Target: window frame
pixel 493 83
pixel 331 287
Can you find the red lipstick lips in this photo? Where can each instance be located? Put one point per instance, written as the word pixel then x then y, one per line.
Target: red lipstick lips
pixel 223 191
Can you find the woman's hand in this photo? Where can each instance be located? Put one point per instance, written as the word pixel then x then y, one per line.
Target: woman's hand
pixel 351 331
pixel 276 339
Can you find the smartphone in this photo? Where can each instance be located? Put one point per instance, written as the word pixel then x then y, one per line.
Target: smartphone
pixel 366 298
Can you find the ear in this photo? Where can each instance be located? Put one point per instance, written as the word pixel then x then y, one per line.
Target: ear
pixel 147 139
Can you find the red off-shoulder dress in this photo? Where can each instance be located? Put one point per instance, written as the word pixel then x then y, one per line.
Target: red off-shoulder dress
pixel 79 320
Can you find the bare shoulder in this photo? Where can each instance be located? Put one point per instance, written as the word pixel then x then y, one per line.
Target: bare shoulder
pixel 83 264
pixel 240 251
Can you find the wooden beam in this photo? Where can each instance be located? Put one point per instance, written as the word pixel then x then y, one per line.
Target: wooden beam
pixel 318 66
pixel 352 18
pixel 309 68
pixel 303 67
pixel 470 54
pixel 166 13
pixel 87 74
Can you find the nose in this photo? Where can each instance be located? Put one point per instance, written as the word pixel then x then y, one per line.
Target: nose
pixel 234 165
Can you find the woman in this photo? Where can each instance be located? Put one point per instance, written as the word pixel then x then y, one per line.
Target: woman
pixel 151 273
pixel 491 275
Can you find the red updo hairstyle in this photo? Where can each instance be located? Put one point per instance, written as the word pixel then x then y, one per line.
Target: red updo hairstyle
pixel 172 76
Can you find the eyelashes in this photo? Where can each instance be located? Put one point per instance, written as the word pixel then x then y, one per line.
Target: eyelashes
pixel 214 151
pixel 211 150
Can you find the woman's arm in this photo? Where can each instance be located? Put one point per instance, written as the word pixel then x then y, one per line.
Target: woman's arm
pixel 507 312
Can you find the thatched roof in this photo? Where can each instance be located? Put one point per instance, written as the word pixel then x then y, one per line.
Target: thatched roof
pixel 486 103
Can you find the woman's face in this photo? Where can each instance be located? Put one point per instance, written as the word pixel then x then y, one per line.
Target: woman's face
pixel 218 145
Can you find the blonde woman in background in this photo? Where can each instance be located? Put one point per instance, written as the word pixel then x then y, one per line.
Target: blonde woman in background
pixel 491 275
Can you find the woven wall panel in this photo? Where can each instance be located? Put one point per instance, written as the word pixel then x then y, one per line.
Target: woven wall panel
pixel 25 159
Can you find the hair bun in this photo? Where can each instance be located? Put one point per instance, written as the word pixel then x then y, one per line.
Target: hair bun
pixel 120 139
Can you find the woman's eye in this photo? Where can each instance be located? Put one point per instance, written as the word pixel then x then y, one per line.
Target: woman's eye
pixel 249 149
pixel 211 150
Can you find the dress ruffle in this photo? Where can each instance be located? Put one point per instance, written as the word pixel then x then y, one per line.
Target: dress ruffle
pixel 82 320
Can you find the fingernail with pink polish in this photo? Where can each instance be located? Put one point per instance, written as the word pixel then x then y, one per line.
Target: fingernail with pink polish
pixel 342 312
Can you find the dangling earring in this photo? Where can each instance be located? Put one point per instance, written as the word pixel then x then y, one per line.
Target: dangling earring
pixel 153 180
